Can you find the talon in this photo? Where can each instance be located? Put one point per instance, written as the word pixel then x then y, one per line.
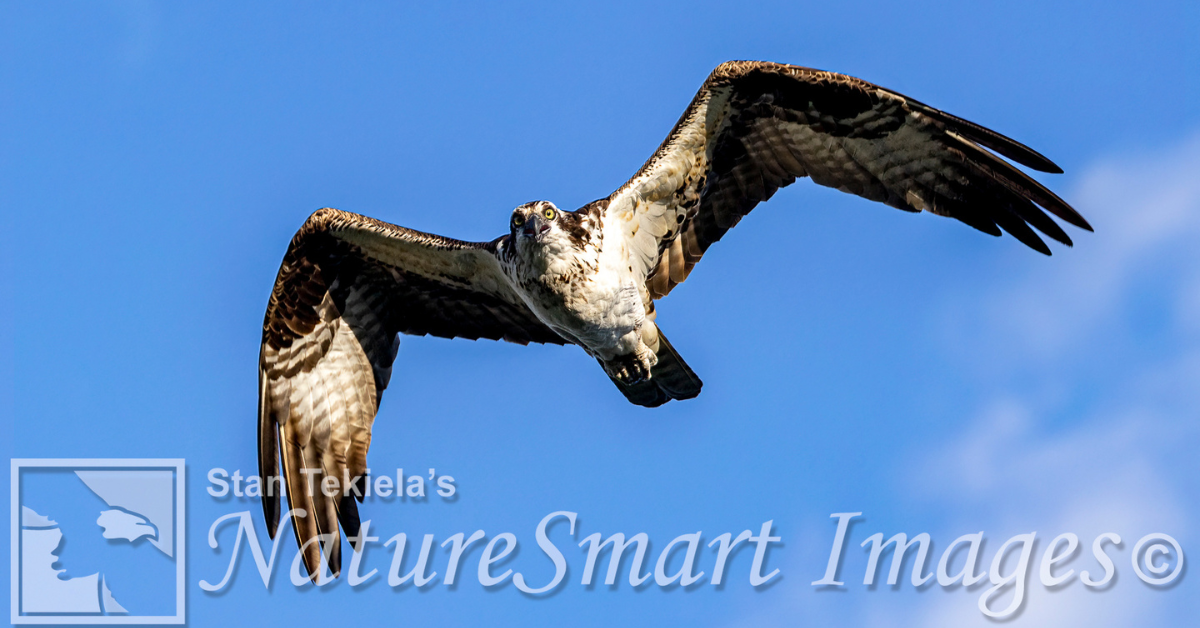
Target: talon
pixel 631 369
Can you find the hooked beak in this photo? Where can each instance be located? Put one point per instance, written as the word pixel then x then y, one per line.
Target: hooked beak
pixel 534 228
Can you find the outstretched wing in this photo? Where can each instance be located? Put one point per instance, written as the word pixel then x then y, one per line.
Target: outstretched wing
pixel 348 284
pixel 755 127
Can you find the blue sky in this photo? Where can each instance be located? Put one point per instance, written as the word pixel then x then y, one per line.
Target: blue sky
pixel 157 158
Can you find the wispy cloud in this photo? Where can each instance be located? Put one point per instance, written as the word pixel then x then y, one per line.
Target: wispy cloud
pixel 1146 211
pixel 1126 462
pixel 1123 461
pixel 1124 473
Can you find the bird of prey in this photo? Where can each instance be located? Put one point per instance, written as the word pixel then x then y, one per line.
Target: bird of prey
pixel 349 284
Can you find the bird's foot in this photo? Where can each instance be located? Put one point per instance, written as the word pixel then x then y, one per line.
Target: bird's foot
pixel 632 368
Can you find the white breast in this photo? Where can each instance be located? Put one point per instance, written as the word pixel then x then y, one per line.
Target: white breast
pixel 588 296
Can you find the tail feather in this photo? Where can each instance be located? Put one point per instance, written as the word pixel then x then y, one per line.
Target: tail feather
pixel 645 393
pixel 673 375
pixel 670 379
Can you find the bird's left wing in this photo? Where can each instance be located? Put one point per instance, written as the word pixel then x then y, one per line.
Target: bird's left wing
pixel 347 285
pixel 755 127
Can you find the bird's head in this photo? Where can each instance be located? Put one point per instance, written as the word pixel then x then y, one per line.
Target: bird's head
pixel 535 225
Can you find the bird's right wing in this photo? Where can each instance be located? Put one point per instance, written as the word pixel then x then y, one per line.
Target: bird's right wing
pixel 347 286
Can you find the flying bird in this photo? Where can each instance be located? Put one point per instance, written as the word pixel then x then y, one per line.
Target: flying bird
pixel 349 284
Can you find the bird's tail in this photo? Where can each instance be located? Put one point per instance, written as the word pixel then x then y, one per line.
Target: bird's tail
pixel 670 379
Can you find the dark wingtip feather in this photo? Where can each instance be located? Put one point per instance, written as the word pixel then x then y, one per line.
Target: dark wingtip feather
pixel 1056 205
pixel 1017 227
pixel 304 512
pixel 333 552
pixel 1039 220
pixel 1026 185
pixel 348 517
pixel 360 483
pixel 268 457
pixel 1030 239
pixel 326 519
pixel 973 219
pixel 1002 144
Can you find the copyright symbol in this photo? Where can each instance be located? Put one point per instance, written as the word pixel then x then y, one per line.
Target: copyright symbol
pixel 1157 544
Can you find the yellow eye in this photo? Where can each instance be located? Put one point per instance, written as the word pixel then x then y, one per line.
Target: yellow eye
pixel 518 220
pixel 549 214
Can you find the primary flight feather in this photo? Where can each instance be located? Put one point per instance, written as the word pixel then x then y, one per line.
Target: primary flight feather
pixel 349 284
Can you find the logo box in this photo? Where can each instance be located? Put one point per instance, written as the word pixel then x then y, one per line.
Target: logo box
pixel 98 541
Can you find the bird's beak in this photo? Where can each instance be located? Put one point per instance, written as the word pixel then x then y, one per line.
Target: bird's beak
pixel 534 228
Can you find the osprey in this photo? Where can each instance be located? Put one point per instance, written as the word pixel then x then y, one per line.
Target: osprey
pixel 349 284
